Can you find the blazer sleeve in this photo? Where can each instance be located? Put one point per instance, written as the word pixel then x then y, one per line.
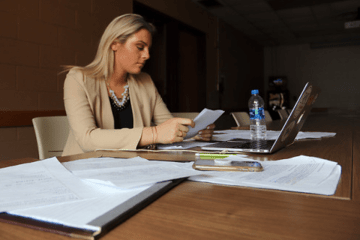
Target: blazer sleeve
pixel 80 109
pixel 161 112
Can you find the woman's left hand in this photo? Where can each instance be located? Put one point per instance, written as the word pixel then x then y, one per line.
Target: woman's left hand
pixel 205 134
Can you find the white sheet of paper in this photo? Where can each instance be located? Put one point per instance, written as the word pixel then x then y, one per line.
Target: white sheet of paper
pixel 305 135
pixel 205 118
pixel 128 173
pixel 299 174
pixel 225 135
pixel 40 183
pixel 79 213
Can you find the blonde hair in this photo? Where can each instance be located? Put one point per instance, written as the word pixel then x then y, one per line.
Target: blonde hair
pixel 119 30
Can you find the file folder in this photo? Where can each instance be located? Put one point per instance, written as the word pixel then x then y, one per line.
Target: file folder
pixel 105 222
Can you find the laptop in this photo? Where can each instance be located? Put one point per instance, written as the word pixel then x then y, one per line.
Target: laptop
pixel 290 129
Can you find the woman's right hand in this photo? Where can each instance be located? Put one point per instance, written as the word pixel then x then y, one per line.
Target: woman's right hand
pixel 173 130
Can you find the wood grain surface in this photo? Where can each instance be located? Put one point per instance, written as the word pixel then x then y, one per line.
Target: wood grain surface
pixel 196 210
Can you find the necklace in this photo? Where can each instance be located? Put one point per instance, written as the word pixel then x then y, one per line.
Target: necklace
pixel 125 97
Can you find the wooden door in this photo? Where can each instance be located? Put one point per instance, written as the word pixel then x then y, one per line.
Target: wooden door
pixel 178 62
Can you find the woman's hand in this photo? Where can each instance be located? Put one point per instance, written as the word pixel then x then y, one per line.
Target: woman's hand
pixel 173 130
pixel 205 134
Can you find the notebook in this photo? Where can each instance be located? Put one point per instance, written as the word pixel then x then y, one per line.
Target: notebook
pixel 287 134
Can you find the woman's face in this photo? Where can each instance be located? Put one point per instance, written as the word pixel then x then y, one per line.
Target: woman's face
pixel 131 56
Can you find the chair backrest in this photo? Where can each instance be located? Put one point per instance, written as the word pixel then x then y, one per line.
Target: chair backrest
pixel 51 135
pixel 190 115
pixel 241 118
pixel 268 117
pixel 283 114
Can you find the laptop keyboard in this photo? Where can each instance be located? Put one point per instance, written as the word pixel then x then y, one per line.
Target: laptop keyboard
pixel 262 144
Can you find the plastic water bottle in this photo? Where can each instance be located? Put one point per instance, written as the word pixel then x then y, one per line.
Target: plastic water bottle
pixel 257 116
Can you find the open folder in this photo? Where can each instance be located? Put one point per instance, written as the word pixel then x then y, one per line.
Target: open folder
pixel 103 223
pixel 44 195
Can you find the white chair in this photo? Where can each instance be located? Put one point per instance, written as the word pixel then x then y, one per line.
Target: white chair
pixel 268 117
pixel 241 118
pixel 190 115
pixel 51 135
pixel 283 114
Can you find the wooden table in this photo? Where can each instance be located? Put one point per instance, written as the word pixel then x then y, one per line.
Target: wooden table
pixel 196 210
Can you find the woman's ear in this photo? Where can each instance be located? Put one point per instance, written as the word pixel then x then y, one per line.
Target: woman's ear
pixel 114 46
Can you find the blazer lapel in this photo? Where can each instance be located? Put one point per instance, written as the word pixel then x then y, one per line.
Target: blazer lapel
pixel 100 103
pixel 136 104
pixel 106 112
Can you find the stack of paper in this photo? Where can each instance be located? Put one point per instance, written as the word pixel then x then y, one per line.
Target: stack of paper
pixel 47 191
pixel 83 190
pixel 128 173
pixel 40 183
pixel 298 174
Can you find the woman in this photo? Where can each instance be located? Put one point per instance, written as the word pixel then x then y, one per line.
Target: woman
pixel 110 103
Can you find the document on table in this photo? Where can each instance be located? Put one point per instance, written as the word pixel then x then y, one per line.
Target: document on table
pixel 40 183
pixel 205 118
pixel 53 194
pixel 128 173
pixel 186 144
pixel 306 135
pixel 79 214
pixel 226 135
pixel 298 174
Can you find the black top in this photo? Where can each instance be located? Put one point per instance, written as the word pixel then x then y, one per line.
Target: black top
pixel 123 118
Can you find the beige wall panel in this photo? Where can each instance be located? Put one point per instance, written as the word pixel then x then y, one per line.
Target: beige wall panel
pixel 51 101
pixel 9 6
pixel 26 133
pixel 8 150
pixel 36 80
pixel 28 8
pixel 84 21
pixel 54 58
pixel 54 13
pixel 10 29
pixel 31 30
pixel 104 11
pixel 60 82
pixel 84 57
pixel 73 39
pixel 82 5
pixel 18 52
pixel 7 77
pixel 26 149
pixel 18 100
pixel 8 134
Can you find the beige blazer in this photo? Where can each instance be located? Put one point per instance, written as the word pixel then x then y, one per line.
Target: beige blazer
pixel 91 120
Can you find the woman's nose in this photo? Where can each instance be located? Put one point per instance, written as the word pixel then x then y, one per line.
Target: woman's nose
pixel 146 54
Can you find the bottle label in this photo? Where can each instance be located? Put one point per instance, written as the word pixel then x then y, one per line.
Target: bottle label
pixel 257 113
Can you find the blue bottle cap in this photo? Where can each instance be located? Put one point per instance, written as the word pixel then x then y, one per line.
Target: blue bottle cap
pixel 255 91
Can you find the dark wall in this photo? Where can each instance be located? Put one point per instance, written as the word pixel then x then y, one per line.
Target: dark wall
pixel 241 68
